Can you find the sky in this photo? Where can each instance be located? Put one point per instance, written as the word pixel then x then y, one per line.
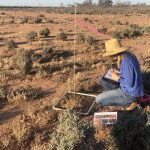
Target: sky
pixel 53 2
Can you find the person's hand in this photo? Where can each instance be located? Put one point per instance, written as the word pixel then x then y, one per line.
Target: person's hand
pixel 115 76
pixel 116 71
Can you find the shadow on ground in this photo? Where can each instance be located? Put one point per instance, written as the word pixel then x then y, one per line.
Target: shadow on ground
pixel 9 114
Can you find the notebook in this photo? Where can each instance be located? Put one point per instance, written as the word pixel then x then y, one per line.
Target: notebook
pixel 108 77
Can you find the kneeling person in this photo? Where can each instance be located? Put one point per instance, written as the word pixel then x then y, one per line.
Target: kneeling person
pixel 129 76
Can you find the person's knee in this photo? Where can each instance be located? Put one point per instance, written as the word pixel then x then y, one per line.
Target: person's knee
pixel 99 99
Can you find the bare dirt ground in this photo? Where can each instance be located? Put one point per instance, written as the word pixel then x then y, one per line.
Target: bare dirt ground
pixel 51 77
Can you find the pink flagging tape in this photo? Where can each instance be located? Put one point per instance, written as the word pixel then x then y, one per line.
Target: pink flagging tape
pixel 91 28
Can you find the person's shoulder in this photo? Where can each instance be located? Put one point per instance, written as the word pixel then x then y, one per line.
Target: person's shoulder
pixel 130 55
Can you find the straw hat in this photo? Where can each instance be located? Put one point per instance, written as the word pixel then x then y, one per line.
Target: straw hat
pixel 113 47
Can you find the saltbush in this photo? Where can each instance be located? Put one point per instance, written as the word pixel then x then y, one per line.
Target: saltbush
pixel 24 61
pixel 38 20
pixel 31 35
pixel 62 36
pixel 90 40
pixel 69 132
pixel 80 38
pixel 131 132
pixel 11 44
pixel 45 32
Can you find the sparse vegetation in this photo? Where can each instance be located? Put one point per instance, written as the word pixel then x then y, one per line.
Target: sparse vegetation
pixel 32 80
pixel 62 36
pixel 90 40
pixel 11 44
pixel 31 35
pixel 133 32
pixel 20 130
pixel 131 131
pixel 72 128
pixel 48 50
pixel 24 20
pixel 45 32
pixel 3 86
pixel 24 61
pixel 80 38
pixel 103 30
pixel 38 20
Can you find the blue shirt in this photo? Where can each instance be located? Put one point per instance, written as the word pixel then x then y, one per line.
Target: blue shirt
pixel 130 76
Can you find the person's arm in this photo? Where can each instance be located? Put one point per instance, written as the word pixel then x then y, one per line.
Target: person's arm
pixel 127 75
pixel 115 76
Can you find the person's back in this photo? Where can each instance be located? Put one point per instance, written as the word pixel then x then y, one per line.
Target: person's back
pixel 131 78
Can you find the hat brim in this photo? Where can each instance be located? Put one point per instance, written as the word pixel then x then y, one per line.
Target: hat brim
pixel 120 50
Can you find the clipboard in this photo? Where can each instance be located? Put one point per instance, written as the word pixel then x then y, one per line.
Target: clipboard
pixel 108 77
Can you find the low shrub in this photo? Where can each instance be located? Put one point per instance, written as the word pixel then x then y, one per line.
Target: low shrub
pixel 62 36
pixel 146 29
pixel 48 50
pixel 90 40
pixel 134 26
pixel 80 38
pixel 69 132
pixel 136 33
pixel 128 33
pixel 24 61
pixel 3 86
pixel 38 20
pixel 146 79
pixel 31 35
pixel 11 44
pixel 50 21
pixel 118 22
pixel 117 35
pixel 45 32
pixel 131 132
pixel 24 20
pixel 103 30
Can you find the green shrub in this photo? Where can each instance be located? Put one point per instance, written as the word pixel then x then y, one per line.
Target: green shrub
pixel 90 40
pixel 126 33
pixel 50 21
pixel 24 61
pixel 146 79
pixel 134 26
pixel 25 20
pixel 103 30
pixel 48 50
pixel 45 32
pixel 62 36
pixel 136 33
pixel 31 35
pixel 146 29
pixel 80 38
pixel 11 44
pixel 3 86
pixel 69 132
pixel 119 22
pixel 38 20
pixel 131 132
pixel 117 35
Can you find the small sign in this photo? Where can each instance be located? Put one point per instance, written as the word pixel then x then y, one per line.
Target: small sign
pixel 106 118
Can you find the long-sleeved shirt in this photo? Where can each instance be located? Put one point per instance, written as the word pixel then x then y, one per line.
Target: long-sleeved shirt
pixel 130 76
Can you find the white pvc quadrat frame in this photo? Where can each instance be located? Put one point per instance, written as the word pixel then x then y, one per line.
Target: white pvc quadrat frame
pixel 55 107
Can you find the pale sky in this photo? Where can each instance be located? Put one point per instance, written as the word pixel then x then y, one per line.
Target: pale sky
pixel 52 2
